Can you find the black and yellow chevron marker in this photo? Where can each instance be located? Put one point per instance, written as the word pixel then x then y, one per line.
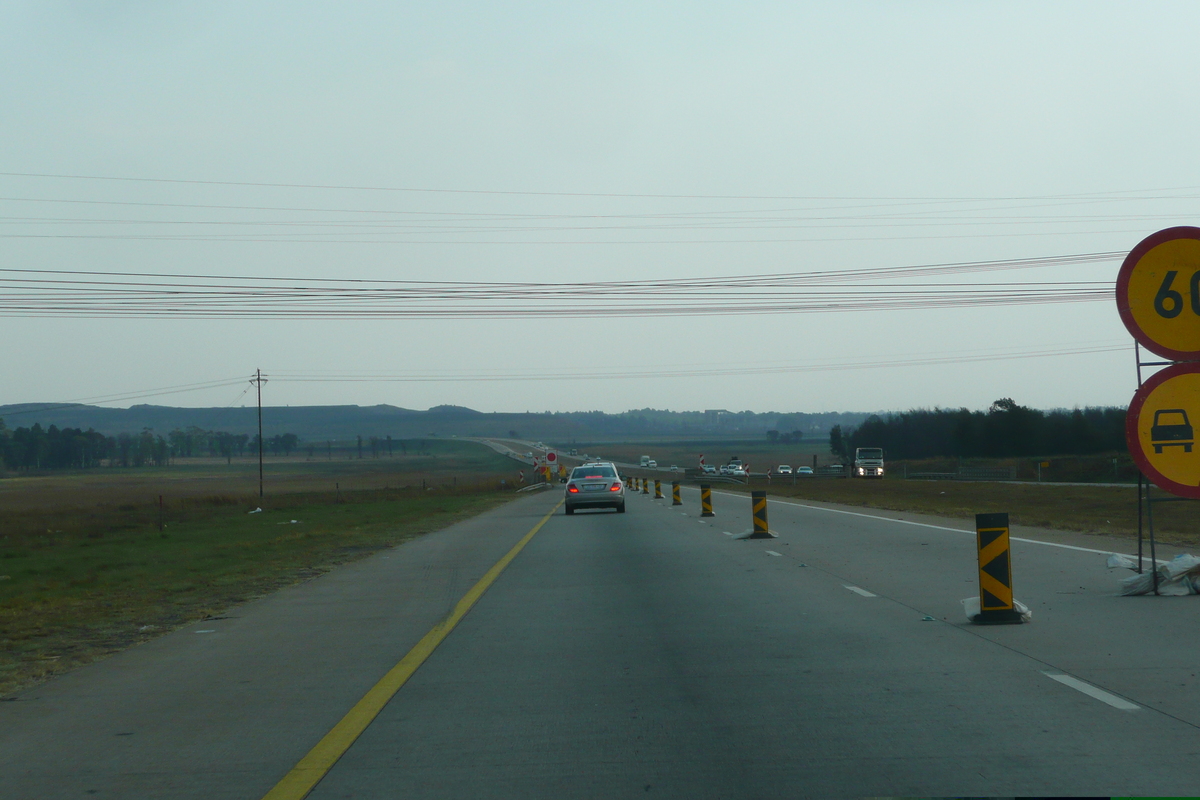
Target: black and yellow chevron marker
pixel 706 501
pixel 645 486
pixel 759 505
pixel 995 569
pixel 658 495
pixel 675 501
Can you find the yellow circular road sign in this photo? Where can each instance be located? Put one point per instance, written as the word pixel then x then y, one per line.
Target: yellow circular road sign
pixel 1158 293
pixel 1160 429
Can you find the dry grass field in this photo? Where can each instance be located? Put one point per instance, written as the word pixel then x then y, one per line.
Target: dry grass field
pixel 85 569
pixel 1109 511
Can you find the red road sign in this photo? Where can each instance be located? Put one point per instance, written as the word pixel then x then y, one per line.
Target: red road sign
pixel 1158 293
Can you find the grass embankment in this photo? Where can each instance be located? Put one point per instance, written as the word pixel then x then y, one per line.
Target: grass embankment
pixel 85 570
pixel 1101 510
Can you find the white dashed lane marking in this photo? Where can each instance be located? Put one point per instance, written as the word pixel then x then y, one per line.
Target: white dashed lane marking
pixel 863 592
pixel 773 553
pixel 1091 691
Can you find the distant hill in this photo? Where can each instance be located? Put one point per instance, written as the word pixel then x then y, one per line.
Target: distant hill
pixel 321 423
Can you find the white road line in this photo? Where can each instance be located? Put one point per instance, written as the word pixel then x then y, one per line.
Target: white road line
pixel 937 527
pixel 1092 691
pixel 773 553
pixel 863 592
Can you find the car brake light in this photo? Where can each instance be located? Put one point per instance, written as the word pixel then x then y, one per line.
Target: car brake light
pixel 616 487
pixel 572 488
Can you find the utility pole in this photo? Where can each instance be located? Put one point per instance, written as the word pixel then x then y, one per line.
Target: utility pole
pixel 258 380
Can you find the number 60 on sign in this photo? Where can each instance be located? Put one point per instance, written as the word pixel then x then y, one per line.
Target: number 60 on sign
pixel 1158 293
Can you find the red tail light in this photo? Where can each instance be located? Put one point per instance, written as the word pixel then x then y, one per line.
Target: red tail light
pixel 616 487
pixel 573 488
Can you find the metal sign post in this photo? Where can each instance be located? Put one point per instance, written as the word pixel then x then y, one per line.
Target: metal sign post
pixel 1158 298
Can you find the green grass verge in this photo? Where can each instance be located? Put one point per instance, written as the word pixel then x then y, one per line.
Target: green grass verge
pixel 85 570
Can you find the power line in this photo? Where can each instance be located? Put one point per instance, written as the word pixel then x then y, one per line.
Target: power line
pixel 79 293
pixel 672 372
pixel 698 372
pixel 123 396
pixel 509 192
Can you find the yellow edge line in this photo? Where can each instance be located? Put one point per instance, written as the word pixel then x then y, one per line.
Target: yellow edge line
pixel 301 779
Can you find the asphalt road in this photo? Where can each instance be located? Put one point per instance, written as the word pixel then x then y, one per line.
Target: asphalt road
pixel 650 654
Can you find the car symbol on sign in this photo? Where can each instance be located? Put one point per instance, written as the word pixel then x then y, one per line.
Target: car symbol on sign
pixel 1171 429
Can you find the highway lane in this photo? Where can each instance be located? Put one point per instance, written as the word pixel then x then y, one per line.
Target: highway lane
pixel 647 653
pixel 653 653
pixel 223 708
pixel 1081 625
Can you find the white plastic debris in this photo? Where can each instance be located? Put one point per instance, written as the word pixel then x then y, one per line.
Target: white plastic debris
pixel 255 511
pixel 971 607
pixel 1177 577
pixel 1117 561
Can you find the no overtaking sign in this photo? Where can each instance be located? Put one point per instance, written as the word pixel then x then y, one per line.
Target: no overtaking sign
pixel 1158 298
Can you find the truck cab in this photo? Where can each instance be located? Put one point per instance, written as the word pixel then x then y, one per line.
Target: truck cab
pixel 868 462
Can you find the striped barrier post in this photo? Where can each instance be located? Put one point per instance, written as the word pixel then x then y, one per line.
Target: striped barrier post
pixel 645 486
pixel 658 495
pixel 995 571
pixel 675 501
pixel 759 505
pixel 706 501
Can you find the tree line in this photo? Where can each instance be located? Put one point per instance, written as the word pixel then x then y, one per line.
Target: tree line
pixel 37 448
pixel 1005 430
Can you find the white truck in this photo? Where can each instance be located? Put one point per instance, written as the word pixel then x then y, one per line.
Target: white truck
pixel 645 462
pixel 868 462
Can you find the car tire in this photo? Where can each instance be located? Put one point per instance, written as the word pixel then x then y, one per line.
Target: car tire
pixel 569 511
pixel 621 508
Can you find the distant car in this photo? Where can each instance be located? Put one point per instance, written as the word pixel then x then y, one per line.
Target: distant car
pixel 674 468
pixel 736 471
pixel 804 470
pixel 784 469
pixel 595 486
pixel 652 464
pixel 529 455
pixel 709 469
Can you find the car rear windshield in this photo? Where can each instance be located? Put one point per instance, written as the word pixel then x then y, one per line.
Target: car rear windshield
pixel 593 472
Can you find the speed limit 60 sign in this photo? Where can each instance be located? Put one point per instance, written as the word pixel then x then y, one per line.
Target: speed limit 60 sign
pixel 1158 293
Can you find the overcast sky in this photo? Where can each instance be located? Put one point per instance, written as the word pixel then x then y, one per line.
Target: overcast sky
pixel 569 144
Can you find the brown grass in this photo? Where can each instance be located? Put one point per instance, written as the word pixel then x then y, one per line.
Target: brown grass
pixel 1105 510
